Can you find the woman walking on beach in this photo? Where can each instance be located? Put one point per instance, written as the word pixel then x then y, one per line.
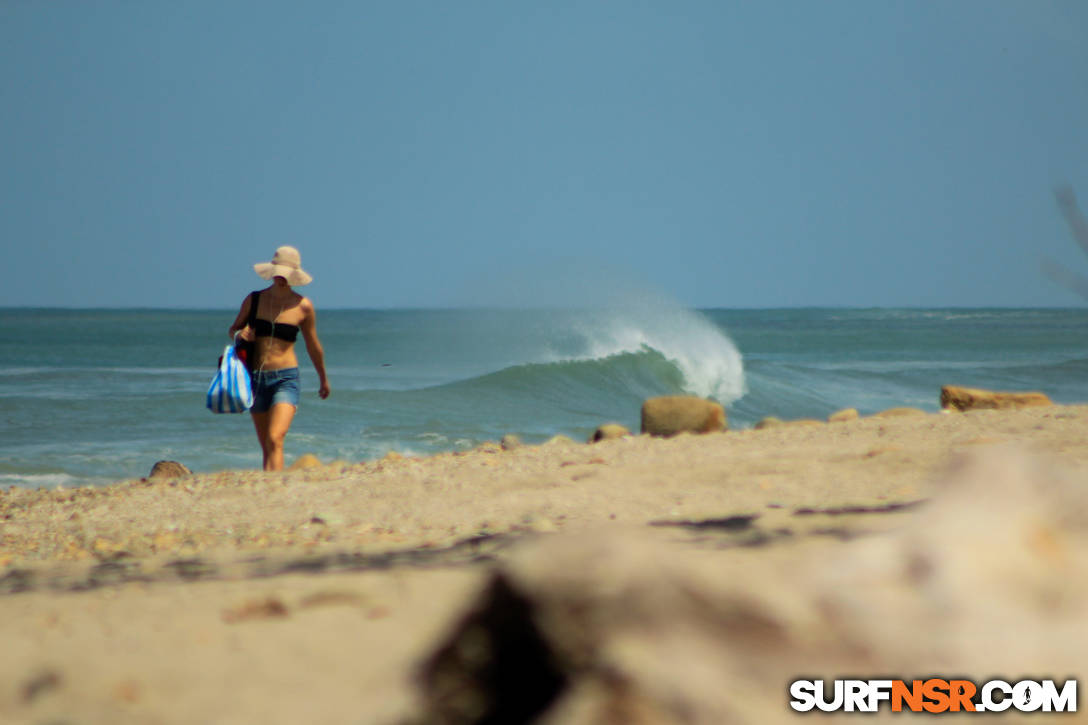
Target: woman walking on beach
pixel 272 318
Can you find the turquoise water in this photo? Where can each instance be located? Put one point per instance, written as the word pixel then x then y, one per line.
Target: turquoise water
pixel 92 396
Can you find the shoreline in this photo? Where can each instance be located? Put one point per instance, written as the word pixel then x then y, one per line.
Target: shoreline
pixel 140 399
pixel 120 594
pixel 110 515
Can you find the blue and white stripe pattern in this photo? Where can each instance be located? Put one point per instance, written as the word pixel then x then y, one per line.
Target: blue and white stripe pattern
pixel 231 391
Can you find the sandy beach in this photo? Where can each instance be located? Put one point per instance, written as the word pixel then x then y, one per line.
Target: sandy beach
pixel 329 594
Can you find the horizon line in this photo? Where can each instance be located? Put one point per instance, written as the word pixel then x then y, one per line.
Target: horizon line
pixel 538 308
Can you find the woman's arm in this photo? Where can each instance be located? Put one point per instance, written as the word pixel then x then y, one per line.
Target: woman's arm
pixel 240 320
pixel 313 346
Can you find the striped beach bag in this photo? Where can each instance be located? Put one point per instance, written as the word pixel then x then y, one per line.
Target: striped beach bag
pixel 230 391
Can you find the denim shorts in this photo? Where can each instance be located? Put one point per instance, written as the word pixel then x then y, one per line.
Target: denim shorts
pixel 274 386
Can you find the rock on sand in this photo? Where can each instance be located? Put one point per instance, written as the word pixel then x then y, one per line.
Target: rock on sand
pixel 169 469
pixel 609 431
pixel 953 396
pixel 673 414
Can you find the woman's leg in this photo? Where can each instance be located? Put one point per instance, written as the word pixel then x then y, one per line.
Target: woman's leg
pixel 279 422
pixel 260 423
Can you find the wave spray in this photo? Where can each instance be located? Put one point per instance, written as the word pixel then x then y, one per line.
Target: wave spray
pixel 709 362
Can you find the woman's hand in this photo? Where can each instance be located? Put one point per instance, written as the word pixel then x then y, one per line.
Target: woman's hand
pixel 324 390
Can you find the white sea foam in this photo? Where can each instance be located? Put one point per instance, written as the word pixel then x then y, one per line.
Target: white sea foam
pixel 97 370
pixel 37 480
pixel 19 372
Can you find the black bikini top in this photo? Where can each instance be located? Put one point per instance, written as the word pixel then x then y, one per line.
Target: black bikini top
pixel 264 328
pixel 279 330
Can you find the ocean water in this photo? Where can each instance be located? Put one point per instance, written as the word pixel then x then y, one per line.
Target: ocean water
pixel 94 396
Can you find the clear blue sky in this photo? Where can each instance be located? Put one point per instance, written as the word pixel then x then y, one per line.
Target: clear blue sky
pixel 431 154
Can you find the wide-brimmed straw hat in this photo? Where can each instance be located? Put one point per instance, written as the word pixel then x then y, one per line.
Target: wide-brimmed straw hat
pixel 286 263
